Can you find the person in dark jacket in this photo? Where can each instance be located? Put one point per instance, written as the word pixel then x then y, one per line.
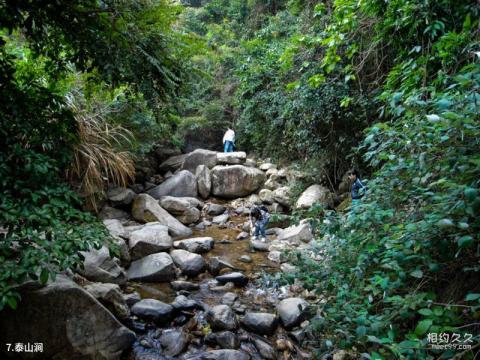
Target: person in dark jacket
pixel 358 189
pixel 259 217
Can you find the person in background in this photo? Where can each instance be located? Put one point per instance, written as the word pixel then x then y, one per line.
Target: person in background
pixel 259 217
pixel 358 189
pixel 228 140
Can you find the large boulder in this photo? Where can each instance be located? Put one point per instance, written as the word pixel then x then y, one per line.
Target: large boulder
pixel 266 196
pixel 155 267
pixel 173 342
pixel 204 181
pixel 222 317
pixel 231 158
pixel 199 157
pixel 100 267
pixel 260 323
pixel 296 234
pixel 236 181
pixel 267 166
pixel 191 264
pixel 67 320
pixel 196 245
pixel 111 296
pixel 146 209
pixel 283 196
pixel 150 239
pixel 183 208
pixel 292 311
pixel 315 194
pixel 121 196
pixel 183 183
pixel 172 163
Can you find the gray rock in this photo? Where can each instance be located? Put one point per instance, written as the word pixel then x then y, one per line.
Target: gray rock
pixel 275 256
pixel 296 234
pixel 282 195
pixel 229 298
pixel 131 298
pixel 191 264
pixel 184 285
pixel 242 235
pixel 227 340
pixel 315 194
pixel 266 196
pixel 215 264
pixel 67 320
pixel 215 209
pixel 245 259
pixel 204 181
pixel 266 350
pixel 155 267
pixel 221 317
pixel 108 212
pixel 272 184
pixel 150 239
pixel 178 205
pixel 174 342
pixel 181 302
pixel 235 277
pixel 220 219
pixel 182 184
pixel 115 227
pixel 226 354
pixel 236 181
pixel 146 209
pixel 173 163
pixel 196 245
pixel 118 233
pixel 231 158
pixel 155 310
pixel 190 216
pixel 121 196
pixel 267 166
pixel 260 323
pixel 100 267
pixel 110 296
pixel 198 157
pixel 250 163
pixel 292 311
pixel 259 245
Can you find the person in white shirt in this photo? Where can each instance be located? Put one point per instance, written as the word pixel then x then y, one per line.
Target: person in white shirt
pixel 228 140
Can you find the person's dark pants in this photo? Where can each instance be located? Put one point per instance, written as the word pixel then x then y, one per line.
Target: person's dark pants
pixel 260 227
pixel 228 146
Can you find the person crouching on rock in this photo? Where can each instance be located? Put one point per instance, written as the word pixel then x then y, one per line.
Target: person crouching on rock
pixel 229 140
pixel 259 217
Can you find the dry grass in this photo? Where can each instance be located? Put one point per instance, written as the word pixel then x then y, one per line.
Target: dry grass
pixel 97 158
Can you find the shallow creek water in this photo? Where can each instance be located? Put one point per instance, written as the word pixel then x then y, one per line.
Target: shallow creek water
pixel 252 297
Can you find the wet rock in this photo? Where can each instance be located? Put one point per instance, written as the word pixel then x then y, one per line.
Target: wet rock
pixel 174 342
pixel 204 181
pixel 221 317
pixel 108 212
pixel 236 181
pixel 220 219
pixel 215 209
pixel 190 216
pixel 259 245
pixel 266 350
pixel 131 298
pixel 215 264
pixel 292 311
pixel 150 239
pixel 155 310
pixel 198 157
pixel 235 277
pixel 182 184
pixel 229 298
pixel 184 285
pixel 146 209
pixel 296 234
pixel 227 354
pixel 227 340
pixel 181 302
pixel 155 267
pixel 315 194
pixel 298 335
pixel 231 158
pixel 190 264
pixel 121 196
pixel 173 163
pixel 100 267
pixel 266 196
pixel 245 259
pixel 201 226
pixel 260 323
pixel 282 195
pixel 242 235
pixel 196 245
pixel 67 320
pixel 267 166
pixel 110 296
